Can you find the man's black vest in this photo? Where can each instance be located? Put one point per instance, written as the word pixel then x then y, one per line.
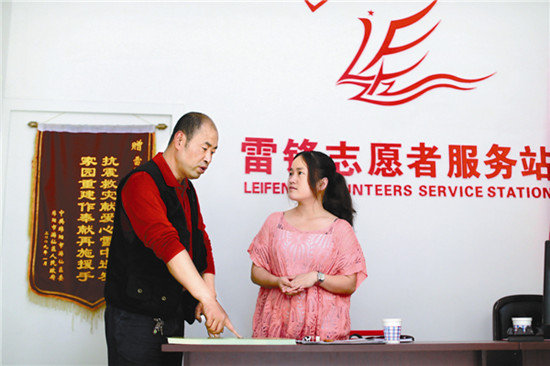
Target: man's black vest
pixel 137 280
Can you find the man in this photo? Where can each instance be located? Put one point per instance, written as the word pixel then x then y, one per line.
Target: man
pixel 161 270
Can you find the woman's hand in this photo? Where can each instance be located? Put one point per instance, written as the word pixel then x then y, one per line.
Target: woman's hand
pixel 301 282
pixel 284 284
pixel 293 285
pixel 264 278
pixel 337 284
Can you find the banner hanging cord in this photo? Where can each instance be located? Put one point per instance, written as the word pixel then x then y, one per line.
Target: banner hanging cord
pixel 159 126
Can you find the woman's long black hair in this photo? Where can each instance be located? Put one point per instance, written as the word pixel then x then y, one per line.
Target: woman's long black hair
pixel 337 199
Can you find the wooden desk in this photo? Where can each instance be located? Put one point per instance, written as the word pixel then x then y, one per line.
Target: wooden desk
pixel 535 353
pixel 487 353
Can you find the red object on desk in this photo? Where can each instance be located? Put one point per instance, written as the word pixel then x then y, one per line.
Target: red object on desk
pixel 367 333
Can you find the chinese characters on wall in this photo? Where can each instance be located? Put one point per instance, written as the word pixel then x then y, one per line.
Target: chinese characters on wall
pixel 469 164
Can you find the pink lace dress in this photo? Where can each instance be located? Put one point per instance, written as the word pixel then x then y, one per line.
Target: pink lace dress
pixel 286 251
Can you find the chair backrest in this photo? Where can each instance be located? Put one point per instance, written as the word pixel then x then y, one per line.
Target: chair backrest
pixel 512 306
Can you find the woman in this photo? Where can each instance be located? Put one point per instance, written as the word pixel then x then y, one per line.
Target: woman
pixel 307 260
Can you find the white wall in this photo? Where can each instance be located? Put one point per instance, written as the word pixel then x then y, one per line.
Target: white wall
pixel 269 69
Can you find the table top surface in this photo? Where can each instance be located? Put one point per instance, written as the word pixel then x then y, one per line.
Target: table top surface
pixel 416 346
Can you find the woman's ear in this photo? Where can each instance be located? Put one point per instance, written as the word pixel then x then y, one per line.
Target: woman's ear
pixel 322 184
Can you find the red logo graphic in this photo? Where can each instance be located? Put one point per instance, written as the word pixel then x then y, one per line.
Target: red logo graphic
pixel 313 7
pixel 380 86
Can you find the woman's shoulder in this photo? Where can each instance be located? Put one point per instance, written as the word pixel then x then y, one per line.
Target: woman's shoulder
pixel 343 226
pixel 274 217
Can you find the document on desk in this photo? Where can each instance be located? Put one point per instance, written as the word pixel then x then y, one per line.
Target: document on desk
pixel 232 341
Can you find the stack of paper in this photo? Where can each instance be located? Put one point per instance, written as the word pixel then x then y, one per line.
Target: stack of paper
pixel 232 341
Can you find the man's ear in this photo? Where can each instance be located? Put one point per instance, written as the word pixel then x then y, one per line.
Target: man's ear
pixel 180 140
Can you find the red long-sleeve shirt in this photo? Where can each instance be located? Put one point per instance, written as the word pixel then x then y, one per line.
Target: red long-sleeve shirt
pixel 147 214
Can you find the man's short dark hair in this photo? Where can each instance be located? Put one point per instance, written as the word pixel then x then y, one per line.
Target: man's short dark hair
pixel 189 123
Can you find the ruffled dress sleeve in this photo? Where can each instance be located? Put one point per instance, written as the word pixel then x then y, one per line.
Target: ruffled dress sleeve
pixel 349 258
pixel 260 248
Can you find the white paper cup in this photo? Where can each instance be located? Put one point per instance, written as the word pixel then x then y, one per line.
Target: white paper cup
pixel 521 323
pixel 392 330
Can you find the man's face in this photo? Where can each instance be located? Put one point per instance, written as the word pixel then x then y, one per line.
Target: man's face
pixel 194 156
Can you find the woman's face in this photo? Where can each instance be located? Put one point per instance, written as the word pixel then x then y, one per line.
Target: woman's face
pixel 298 184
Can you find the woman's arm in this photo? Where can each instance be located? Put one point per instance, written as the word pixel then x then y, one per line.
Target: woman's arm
pixel 262 277
pixel 337 284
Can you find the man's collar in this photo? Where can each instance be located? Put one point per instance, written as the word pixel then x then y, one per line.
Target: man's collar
pixel 167 174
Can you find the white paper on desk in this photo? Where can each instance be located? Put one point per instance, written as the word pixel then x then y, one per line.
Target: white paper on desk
pixel 232 341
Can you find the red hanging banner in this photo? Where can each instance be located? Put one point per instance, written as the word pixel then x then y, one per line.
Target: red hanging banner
pixel 75 178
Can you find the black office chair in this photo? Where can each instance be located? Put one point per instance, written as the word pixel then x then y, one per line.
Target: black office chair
pixel 513 306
